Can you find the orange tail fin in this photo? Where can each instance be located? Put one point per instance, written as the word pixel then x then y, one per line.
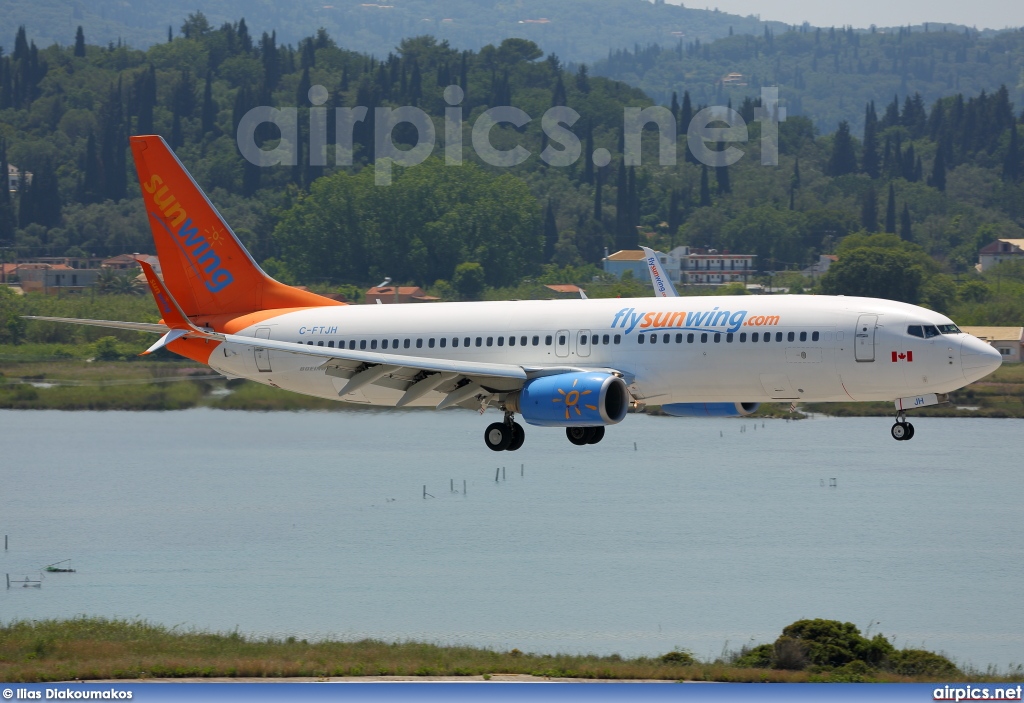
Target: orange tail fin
pixel 204 266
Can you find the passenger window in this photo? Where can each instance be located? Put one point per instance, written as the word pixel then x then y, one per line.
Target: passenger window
pixel 689 338
pixel 548 339
pixel 666 338
pixel 373 344
pixel 310 343
pixel 814 336
pixel 561 339
pixel 728 337
pixel 754 336
pixel 618 338
pixel 583 339
pixel 791 337
pixel 679 338
pixel 501 341
pixel 640 339
pixel 778 336
pixel 430 342
pixel 536 340
pixel 703 337
pixel 522 341
pixel 443 341
pixel 320 343
pixel 718 337
pixel 605 339
pixel 394 344
pixel 654 338
pixel 511 341
pixel 362 344
pixel 352 344
pixel 490 341
pixel 406 345
pixel 419 343
pixel 930 331
pixel 331 344
pixel 384 344
pixel 743 337
pixel 803 336
pixel 479 341
pixel 455 342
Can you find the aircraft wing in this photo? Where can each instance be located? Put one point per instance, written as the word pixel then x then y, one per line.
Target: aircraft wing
pixel 659 276
pixel 156 328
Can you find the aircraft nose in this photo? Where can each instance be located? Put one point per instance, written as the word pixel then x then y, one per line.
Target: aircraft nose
pixel 978 359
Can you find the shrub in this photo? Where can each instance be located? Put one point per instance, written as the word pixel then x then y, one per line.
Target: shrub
pixel 681 657
pixel 919 662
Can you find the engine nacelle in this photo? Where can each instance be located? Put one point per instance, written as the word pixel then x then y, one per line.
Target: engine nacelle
pixel 710 409
pixel 580 399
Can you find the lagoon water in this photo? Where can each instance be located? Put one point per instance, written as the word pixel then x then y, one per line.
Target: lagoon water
pixel 705 536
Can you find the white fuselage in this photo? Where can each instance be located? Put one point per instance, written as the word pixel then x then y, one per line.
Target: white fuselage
pixel 695 349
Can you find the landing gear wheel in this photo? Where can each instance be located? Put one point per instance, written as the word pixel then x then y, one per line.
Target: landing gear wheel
pixel 902 431
pixel 597 436
pixel 910 431
pixel 579 435
pixel 518 437
pixel 498 436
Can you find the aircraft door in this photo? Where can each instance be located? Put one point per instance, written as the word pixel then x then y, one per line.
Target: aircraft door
pixel 562 343
pixel 864 344
pixel 583 343
pixel 262 355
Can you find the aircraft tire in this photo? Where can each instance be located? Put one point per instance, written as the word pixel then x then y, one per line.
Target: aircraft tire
pixel 497 436
pixel 518 437
pixel 578 435
pixel 597 435
pixel 899 432
pixel 910 432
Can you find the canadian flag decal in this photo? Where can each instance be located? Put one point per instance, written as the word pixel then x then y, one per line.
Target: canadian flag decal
pixel 902 356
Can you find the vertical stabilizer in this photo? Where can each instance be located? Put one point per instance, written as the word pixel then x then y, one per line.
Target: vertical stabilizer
pixel 204 266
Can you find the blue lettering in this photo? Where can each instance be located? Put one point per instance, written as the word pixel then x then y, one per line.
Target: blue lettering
pixel 634 318
pixel 736 321
pixel 693 319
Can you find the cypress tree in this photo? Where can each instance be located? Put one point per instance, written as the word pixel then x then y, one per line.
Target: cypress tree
pixel 80 43
pixel 705 190
pixel 905 233
pixel 794 181
pixel 869 162
pixel 621 205
pixel 8 222
pixel 415 84
pixel 209 112
pixel 598 185
pixel 938 177
pixel 26 202
pixel 170 34
pixel 92 184
pixel 588 155
pixel 890 212
pixel 1012 163
pixel 145 100
pixel 843 159
pixel 550 232
pixel 685 117
pixel 302 91
pixel 675 219
pixel 722 176
pixel 869 211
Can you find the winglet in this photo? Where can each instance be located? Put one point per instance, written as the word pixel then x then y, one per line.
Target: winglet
pixel 659 277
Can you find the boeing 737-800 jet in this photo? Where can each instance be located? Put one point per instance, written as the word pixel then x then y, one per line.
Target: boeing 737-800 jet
pixel 576 364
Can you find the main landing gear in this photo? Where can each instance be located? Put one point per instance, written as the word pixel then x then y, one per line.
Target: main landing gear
pixel 902 430
pixel 584 435
pixel 507 435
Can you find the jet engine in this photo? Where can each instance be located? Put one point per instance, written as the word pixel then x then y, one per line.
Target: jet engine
pixel 579 399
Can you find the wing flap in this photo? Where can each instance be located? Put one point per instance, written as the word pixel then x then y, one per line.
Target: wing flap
pixel 154 328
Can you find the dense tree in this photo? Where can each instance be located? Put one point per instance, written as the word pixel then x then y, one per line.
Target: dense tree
pixel 843 159
pixel 80 43
pixel 876 272
pixel 890 212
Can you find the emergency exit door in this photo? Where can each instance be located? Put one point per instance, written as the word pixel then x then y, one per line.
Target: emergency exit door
pixel 864 338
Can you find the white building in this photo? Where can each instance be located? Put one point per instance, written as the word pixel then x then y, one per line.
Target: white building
pixel 999 251
pixel 686 265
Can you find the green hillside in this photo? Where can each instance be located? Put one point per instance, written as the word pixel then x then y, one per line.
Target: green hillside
pixel 828 74
pixel 577 30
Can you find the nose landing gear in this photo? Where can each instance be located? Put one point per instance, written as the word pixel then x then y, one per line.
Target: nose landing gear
pixel 507 435
pixel 902 430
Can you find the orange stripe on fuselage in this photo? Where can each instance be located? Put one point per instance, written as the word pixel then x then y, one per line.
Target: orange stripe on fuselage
pixel 201 349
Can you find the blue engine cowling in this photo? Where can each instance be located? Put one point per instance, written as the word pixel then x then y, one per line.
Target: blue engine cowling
pixel 710 409
pixel 580 399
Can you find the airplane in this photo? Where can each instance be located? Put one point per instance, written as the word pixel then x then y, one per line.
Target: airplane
pixel 663 287
pixel 578 364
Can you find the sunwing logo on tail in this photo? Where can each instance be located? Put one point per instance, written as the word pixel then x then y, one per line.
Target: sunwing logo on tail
pixel 198 249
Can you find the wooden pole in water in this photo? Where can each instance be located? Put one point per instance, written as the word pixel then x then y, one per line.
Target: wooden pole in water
pixel 463 486
pixel 424 491
pixel 496 472
pixel 521 469
pixel 502 473
pixel 451 486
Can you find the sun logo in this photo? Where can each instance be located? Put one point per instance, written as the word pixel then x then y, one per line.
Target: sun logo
pixel 215 236
pixel 572 399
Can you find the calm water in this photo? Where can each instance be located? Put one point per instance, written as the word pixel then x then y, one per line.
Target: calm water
pixel 314 524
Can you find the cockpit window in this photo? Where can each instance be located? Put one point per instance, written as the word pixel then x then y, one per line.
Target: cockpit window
pixel 949 329
pixel 915 331
pixel 930 331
